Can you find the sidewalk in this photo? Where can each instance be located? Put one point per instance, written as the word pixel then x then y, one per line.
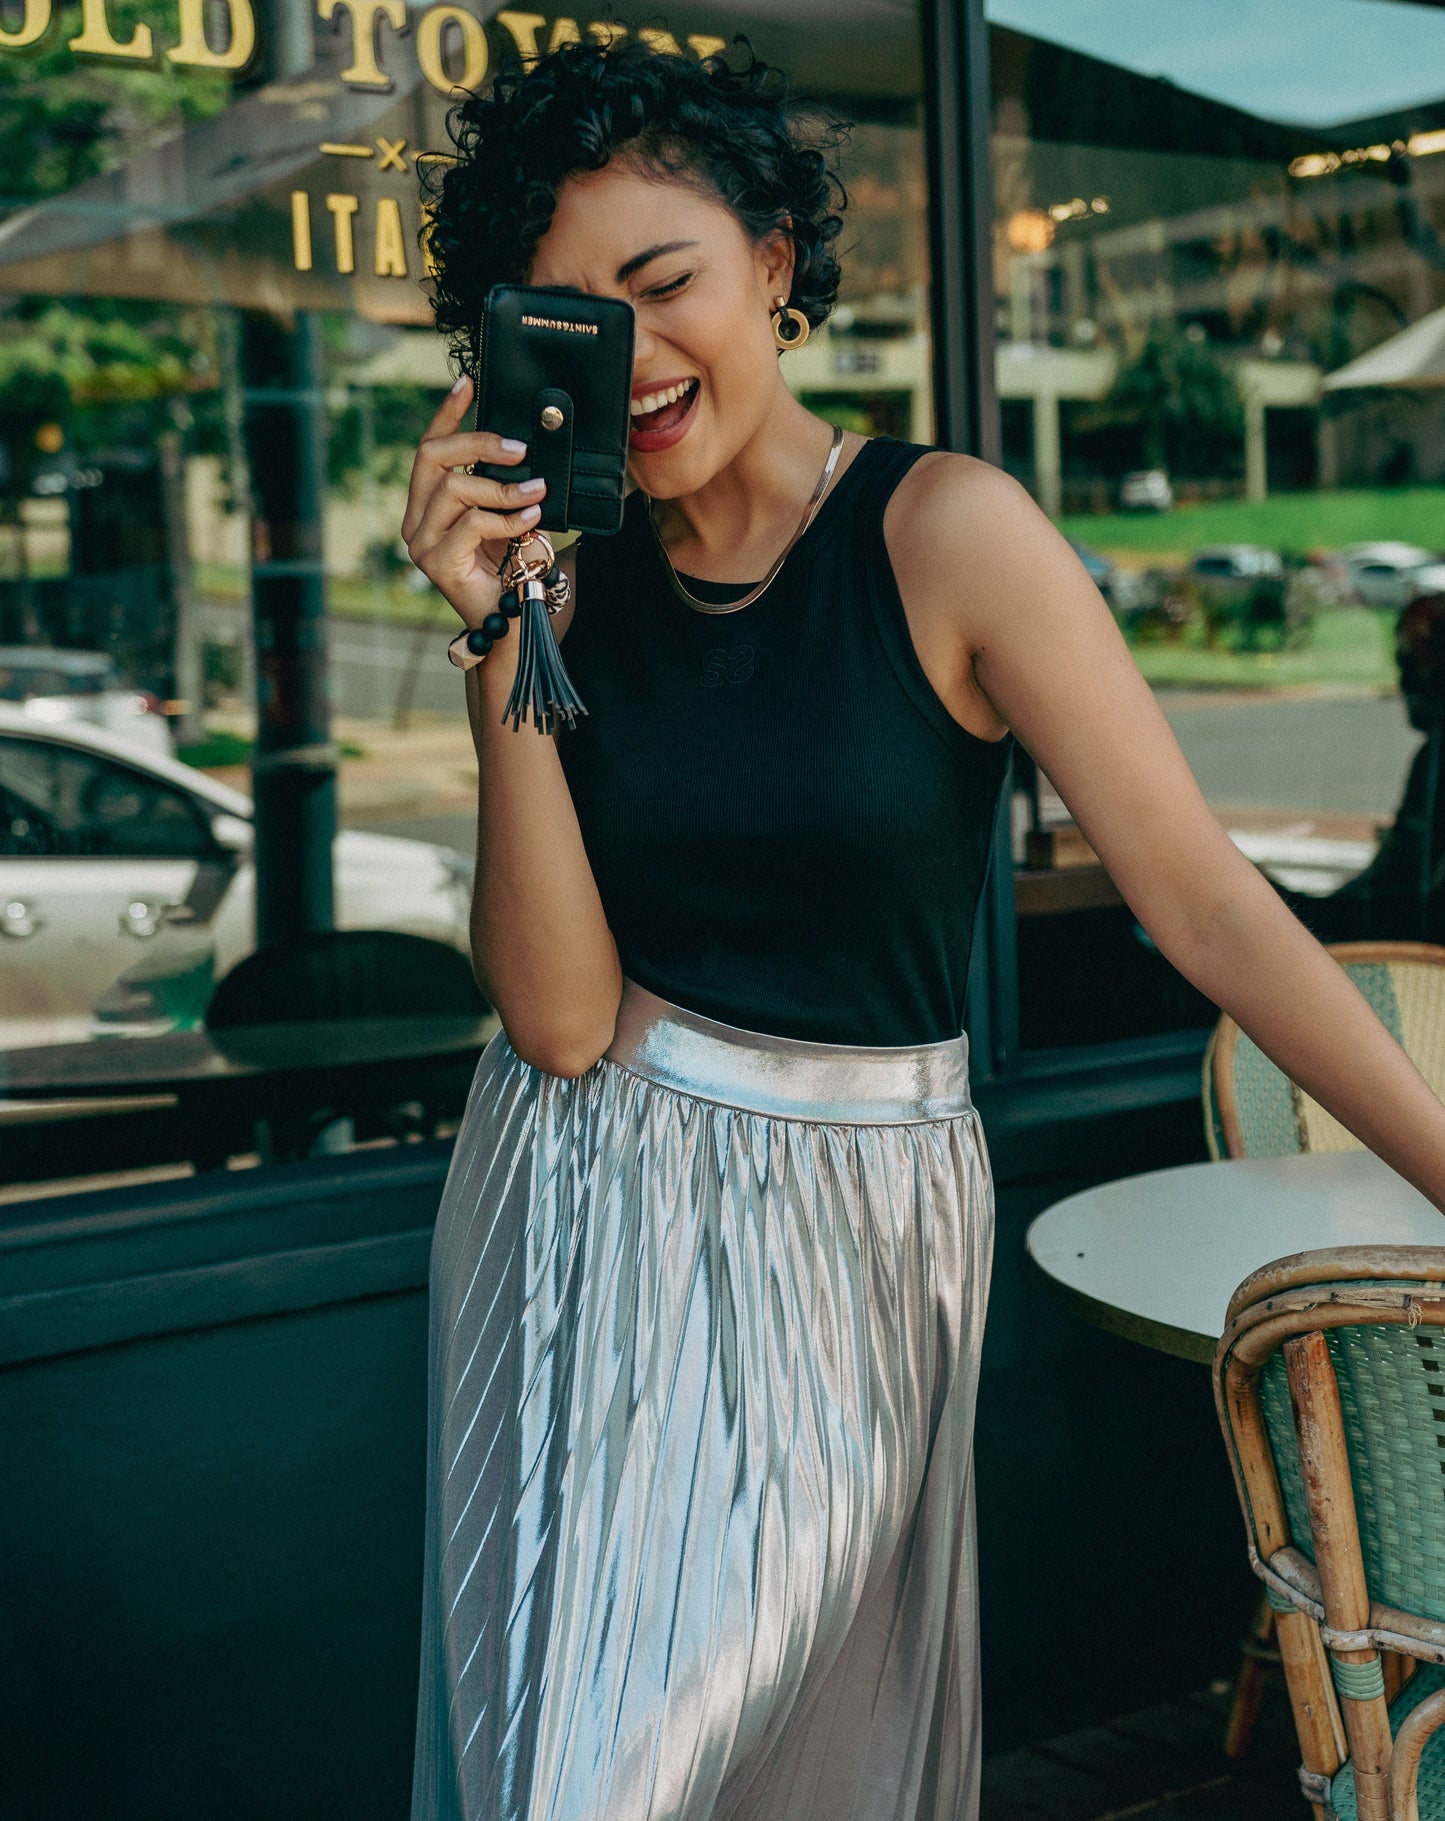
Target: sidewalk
pixel 430 769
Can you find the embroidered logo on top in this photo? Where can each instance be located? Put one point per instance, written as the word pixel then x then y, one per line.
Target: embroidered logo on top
pixel 726 664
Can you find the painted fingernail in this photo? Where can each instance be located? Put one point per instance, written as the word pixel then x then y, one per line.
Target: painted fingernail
pixel 511 446
pixel 460 383
pixel 531 512
pixel 530 489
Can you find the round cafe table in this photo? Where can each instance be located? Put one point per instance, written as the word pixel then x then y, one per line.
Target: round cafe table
pixel 223 1084
pixel 193 1062
pixel 1156 1257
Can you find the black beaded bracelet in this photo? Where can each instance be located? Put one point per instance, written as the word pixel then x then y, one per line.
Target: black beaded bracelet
pixel 468 649
pixel 533 589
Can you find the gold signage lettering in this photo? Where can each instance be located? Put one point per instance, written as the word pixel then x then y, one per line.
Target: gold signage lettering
pixel 662 42
pixel 301 230
pixel 194 49
pixel 364 71
pixel 342 209
pixel 701 45
pixel 390 257
pixel 523 28
pixel 95 38
pixel 564 31
pixel 429 37
pixel 606 33
pixel 34 25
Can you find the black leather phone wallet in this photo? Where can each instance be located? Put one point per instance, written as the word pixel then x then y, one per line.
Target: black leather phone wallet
pixel 556 374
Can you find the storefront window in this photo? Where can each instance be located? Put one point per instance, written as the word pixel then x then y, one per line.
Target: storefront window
pixel 172 170
pixel 1219 273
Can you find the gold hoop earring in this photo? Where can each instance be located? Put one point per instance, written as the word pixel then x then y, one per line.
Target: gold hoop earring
pixel 797 329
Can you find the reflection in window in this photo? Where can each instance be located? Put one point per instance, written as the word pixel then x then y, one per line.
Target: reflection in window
pixel 870 366
pixel 147 205
pixel 1219 263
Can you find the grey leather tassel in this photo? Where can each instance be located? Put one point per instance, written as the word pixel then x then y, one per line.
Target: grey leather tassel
pixel 542 687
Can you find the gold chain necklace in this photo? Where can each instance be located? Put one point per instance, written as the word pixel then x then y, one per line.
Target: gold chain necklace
pixel 698 606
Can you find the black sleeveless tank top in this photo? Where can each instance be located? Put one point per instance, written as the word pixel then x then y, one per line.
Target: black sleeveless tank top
pixel 788 829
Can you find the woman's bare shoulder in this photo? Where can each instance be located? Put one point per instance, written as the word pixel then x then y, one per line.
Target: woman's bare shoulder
pixel 946 496
pixel 971 544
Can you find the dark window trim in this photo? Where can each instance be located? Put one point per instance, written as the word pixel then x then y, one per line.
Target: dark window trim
pixel 960 189
pixel 1084 1109
pixel 957 132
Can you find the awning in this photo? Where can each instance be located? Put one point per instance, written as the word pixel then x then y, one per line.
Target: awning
pixel 1414 357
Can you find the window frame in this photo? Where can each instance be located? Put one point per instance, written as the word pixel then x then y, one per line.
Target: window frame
pixel 959 164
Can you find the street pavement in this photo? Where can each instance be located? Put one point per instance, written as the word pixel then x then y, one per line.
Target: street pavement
pixel 1344 753
pixel 373 664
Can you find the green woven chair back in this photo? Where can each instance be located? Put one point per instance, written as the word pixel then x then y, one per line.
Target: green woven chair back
pixel 1426 1681
pixel 1253 1109
pixel 1376 1311
pixel 1392 1393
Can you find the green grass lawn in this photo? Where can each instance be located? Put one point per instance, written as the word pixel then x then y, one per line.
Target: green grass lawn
pixel 1350 646
pixel 1289 521
pixel 220 747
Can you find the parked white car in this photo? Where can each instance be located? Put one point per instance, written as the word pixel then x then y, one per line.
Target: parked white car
pixel 110 857
pixel 1383 574
pixel 58 687
pixel 1146 490
pixel 1427 580
pixel 1234 565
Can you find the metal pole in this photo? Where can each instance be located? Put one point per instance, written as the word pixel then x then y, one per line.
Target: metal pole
pixel 958 126
pixel 294 770
pixel 189 724
pixel 958 123
pixel 238 477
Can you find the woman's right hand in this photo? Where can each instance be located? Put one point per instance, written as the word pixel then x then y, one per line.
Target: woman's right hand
pixel 541 947
pixel 457 525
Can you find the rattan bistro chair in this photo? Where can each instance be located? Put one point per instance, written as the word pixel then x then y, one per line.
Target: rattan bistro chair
pixel 1253 1110
pixel 1330 1386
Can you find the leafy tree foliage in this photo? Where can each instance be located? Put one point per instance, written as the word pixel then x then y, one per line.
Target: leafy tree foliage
pixel 1183 397
pixel 67 118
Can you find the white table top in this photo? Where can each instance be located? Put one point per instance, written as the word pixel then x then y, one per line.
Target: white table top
pixel 1157 1257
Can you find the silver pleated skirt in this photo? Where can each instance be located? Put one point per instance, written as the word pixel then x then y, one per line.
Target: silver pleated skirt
pixel 705 1328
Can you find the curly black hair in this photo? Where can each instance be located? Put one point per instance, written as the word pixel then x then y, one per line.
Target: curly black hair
pixel 737 134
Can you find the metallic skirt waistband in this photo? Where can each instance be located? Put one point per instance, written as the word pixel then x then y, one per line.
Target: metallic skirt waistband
pixel 785 1077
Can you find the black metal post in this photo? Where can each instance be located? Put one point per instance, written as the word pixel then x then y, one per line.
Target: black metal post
pixel 958 127
pixel 294 770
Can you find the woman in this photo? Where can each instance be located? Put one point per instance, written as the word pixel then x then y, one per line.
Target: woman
pixel 709 1275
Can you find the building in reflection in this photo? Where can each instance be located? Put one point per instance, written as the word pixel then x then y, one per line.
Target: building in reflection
pixel 1149 241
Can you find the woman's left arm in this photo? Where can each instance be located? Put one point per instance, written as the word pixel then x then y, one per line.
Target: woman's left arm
pixel 1041 646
